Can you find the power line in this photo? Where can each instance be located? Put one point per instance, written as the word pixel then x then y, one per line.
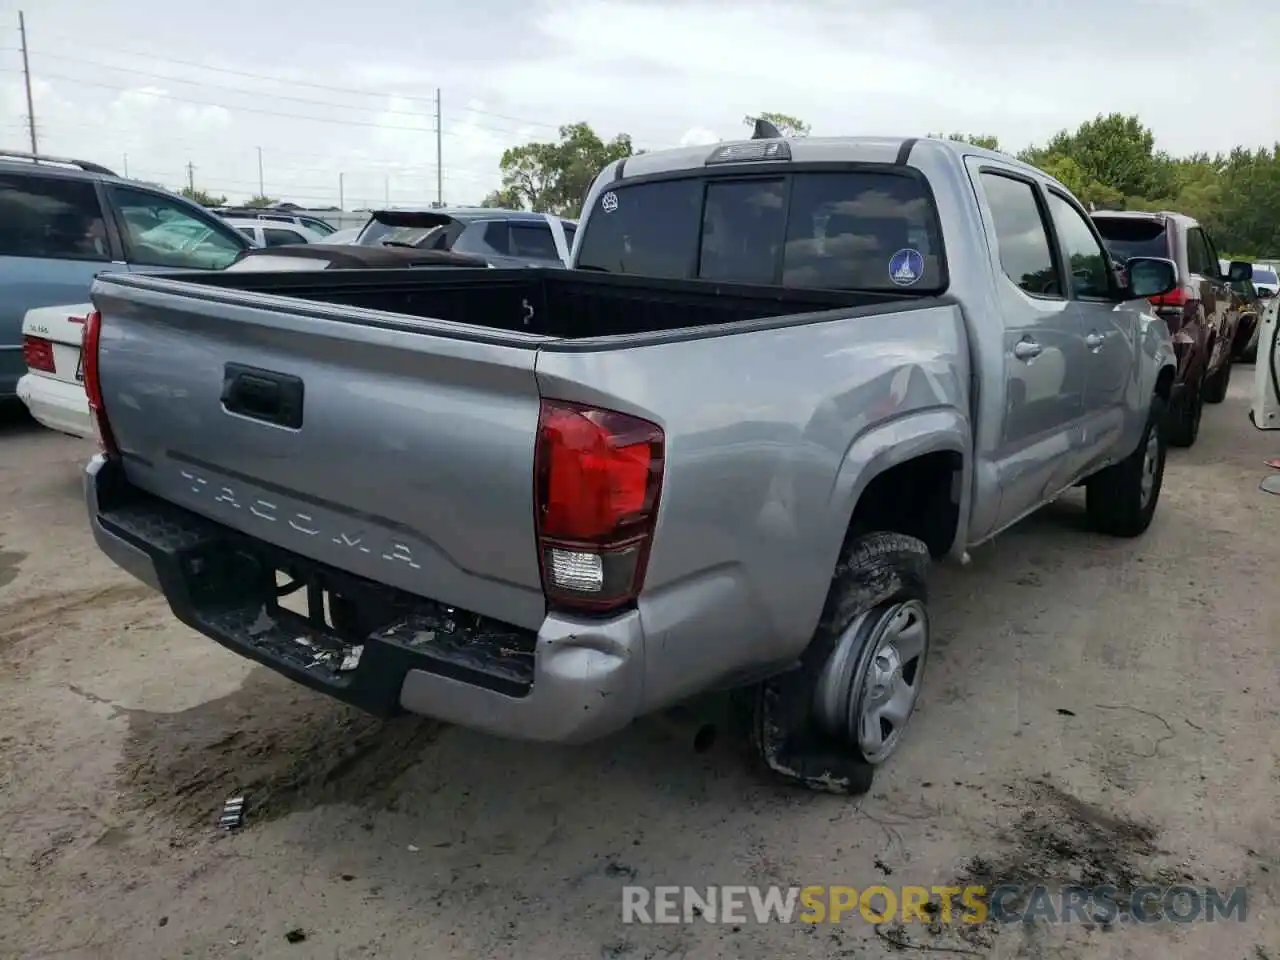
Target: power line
pixel 151 57
pixel 214 86
pixel 209 103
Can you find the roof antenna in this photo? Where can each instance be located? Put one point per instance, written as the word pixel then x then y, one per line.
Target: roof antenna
pixel 764 130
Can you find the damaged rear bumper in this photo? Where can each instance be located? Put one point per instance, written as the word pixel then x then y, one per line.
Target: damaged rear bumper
pixel 571 681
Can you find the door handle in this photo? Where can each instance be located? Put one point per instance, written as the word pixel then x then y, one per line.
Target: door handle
pixel 1027 349
pixel 263 395
pixel 1094 341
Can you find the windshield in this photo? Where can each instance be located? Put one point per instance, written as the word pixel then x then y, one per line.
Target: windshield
pixel 1132 237
pixel 866 230
pixel 1265 275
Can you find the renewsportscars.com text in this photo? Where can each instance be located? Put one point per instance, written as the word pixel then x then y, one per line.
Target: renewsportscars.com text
pixel 919 904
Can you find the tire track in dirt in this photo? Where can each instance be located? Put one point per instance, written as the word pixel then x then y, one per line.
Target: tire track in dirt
pixel 22 617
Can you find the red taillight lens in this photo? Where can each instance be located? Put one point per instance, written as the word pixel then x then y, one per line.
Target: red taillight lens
pixel 1174 298
pixel 93 384
pixel 37 354
pixel 598 474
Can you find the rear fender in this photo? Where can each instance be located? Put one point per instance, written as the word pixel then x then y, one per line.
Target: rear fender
pixel 895 442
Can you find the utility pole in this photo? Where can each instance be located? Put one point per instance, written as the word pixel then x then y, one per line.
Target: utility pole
pixel 387 190
pixel 341 205
pixel 191 176
pixel 439 153
pixel 26 77
pixel 261 189
pixel 126 166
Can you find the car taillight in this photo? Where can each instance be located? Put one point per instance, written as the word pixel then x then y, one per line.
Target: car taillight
pixel 93 384
pixel 597 477
pixel 1174 298
pixel 37 354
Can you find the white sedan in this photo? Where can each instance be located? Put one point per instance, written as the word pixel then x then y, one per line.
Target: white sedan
pixel 53 386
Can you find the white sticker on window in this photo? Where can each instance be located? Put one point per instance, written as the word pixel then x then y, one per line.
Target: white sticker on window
pixel 906 267
pixel 609 202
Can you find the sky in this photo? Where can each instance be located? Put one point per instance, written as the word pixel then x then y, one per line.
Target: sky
pixel 328 93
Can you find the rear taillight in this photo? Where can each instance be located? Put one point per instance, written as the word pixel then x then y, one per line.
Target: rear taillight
pixel 93 384
pixel 37 354
pixel 1174 298
pixel 597 477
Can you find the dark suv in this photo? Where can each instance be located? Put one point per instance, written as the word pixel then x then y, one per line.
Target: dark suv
pixel 62 221
pixel 1203 313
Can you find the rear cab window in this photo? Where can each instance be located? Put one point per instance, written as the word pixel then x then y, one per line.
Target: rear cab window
pixel 51 217
pixel 868 229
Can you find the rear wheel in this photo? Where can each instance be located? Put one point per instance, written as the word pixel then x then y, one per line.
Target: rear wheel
pixel 1121 500
pixel 1215 386
pixel 1185 414
pixel 828 724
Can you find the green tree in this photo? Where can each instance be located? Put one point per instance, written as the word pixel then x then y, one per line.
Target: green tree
pixel 505 199
pixel 261 201
pixel 554 177
pixel 1114 151
pixel 787 125
pixel 987 141
pixel 203 198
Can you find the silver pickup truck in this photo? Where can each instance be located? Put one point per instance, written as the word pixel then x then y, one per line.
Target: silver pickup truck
pixel 720 453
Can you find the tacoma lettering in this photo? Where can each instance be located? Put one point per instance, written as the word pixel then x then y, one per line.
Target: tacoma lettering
pixel 392 551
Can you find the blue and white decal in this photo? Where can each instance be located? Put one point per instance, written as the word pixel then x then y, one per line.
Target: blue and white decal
pixel 906 267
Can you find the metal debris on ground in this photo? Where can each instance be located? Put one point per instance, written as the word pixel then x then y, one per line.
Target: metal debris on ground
pixel 351 659
pixel 232 814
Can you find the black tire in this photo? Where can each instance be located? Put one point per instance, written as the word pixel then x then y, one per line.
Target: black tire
pixel 1185 414
pixel 879 576
pixel 1215 387
pixel 1249 354
pixel 1115 498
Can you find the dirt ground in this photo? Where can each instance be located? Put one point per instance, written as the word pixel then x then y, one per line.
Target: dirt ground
pixel 1096 710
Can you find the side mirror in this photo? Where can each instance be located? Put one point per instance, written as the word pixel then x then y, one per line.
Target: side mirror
pixel 1151 276
pixel 1240 270
pixel 1264 293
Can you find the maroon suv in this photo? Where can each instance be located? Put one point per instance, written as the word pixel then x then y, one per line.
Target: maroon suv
pixel 1202 311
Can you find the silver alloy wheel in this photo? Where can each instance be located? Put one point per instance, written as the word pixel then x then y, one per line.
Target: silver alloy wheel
pixel 1150 464
pixel 869 687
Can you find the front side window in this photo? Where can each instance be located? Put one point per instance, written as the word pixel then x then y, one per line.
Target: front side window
pixel 865 230
pixel 1086 259
pixel 51 217
pixel 162 232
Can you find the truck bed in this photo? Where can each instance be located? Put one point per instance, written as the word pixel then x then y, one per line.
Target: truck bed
pixel 544 302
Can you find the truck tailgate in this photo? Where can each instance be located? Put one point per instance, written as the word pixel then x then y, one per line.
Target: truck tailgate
pixel 398 451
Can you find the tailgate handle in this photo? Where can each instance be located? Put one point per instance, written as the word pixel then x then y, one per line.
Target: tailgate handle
pixel 263 395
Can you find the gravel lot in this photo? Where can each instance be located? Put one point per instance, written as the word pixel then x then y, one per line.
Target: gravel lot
pixel 1096 708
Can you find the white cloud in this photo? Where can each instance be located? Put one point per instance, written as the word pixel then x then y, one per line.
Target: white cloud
pixel 698 136
pixel 667 73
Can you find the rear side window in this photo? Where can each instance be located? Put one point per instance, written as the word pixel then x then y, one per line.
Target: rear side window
pixel 1128 237
pixel 1199 257
pixel 277 237
pixel 51 217
pixel 1021 236
pixel 866 230
pixel 533 240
